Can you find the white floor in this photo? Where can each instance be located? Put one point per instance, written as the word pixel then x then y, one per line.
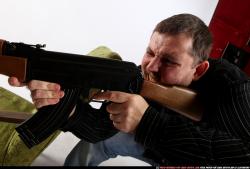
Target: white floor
pixel 56 152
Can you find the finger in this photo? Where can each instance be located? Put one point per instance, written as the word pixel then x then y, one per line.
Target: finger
pixel 45 102
pixel 37 84
pixel 123 127
pixel 117 118
pixel 118 125
pixel 42 94
pixel 114 108
pixel 13 81
pixel 114 96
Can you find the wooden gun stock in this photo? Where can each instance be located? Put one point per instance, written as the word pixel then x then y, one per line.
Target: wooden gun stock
pixel 181 100
pixel 13 66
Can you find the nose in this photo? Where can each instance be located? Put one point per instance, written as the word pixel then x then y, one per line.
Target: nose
pixel 154 64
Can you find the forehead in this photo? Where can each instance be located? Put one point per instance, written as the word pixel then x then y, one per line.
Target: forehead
pixel 170 44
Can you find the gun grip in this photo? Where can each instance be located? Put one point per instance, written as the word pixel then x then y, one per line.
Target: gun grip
pixel 48 119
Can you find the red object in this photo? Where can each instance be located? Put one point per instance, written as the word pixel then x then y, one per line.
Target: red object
pixel 231 23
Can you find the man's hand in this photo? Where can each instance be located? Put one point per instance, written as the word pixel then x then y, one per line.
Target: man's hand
pixel 126 110
pixel 42 93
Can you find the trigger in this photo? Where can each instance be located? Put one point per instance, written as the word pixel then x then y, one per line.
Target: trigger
pixel 87 95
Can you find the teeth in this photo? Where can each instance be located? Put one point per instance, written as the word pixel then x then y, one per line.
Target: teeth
pixel 146 76
pixel 152 79
pixel 149 77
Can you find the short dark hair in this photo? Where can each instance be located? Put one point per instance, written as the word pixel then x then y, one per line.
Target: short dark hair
pixel 193 27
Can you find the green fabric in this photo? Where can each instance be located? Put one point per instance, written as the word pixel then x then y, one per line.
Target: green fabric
pixel 13 152
pixel 12 102
pixel 105 52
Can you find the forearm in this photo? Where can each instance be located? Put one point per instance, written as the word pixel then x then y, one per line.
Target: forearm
pixel 182 142
pixel 170 137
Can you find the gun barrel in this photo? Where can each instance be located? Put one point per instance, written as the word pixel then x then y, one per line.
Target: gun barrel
pixel 69 70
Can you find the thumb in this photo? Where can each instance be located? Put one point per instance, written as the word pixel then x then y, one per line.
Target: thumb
pixel 13 81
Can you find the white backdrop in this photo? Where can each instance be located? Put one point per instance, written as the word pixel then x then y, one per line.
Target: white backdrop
pixel 78 26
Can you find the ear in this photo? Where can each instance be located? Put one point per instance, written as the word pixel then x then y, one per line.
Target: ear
pixel 200 70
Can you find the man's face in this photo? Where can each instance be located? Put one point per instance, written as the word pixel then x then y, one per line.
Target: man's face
pixel 168 61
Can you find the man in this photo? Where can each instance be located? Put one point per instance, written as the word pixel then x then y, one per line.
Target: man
pixel 177 54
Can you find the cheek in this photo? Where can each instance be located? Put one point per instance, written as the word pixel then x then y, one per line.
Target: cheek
pixel 169 76
pixel 145 62
pixel 175 77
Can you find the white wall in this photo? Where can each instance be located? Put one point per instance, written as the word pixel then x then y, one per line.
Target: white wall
pixel 78 26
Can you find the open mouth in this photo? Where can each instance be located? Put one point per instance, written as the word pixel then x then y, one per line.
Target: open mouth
pixel 151 78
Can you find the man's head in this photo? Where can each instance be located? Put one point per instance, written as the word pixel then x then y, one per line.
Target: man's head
pixel 178 51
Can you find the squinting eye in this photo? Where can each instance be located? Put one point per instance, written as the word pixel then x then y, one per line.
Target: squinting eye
pixel 168 62
pixel 150 54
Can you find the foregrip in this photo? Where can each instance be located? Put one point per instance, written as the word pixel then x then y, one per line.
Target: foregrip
pixel 48 119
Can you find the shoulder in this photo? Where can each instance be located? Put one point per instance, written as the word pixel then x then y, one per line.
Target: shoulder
pixel 220 75
pixel 226 71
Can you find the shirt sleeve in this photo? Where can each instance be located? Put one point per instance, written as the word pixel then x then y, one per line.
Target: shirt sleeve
pixel 221 138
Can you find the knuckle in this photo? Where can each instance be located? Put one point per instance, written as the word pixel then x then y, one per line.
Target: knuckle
pixel 52 101
pixel 134 98
pixel 30 86
pixel 44 102
pixel 38 103
pixel 54 94
pixel 111 117
pixel 108 108
pixel 35 94
pixel 111 95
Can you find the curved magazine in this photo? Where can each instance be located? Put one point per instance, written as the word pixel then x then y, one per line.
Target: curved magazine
pixel 48 119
